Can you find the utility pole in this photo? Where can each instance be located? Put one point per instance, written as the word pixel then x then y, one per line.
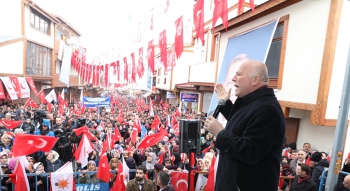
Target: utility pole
pixel 340 131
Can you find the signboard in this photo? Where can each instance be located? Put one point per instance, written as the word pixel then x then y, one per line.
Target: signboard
pixel 92 187
pixel 187 97
pixel 189 102
pixel 96 101
pixel 170 95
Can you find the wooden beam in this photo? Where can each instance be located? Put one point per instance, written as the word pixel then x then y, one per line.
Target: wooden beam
pixel 319 114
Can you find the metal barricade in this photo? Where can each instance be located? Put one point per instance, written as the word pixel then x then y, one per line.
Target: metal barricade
pixel 322 186
pixel 96 186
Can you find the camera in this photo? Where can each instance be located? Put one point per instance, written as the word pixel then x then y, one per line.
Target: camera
pixel 81 122
pixel 39 116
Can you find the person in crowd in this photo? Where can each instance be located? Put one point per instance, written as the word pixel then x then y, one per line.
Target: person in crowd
pixel 58 125
pixel 300 159
pixel 140 182
pixel 302 181
pixel 6 143
pixel 256 115
pixel 51 161
pixel 113 165
pixel 89 178
pixel 44 129
pixel 307 148
pixel 164 182
pixel 27 126
pixel 319 165
pixel 345 185
pixel 64 144
pixel 41 183
pixel 130 162
pixel 3 128
pixel 149 163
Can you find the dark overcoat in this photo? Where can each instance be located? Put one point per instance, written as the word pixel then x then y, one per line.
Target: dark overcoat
pixel 251 143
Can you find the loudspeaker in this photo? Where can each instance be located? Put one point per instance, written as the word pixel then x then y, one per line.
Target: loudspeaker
pixel 189 136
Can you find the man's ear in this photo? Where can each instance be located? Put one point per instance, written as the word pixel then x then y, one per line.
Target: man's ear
pixel 256 80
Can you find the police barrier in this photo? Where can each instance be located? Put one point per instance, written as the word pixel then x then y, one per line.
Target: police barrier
pixel 98 186
pixel 323 178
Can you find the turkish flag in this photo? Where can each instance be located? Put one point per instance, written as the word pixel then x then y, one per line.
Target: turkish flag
pixel 31 84
pixel 161 158
pixel 240 3
pixel 163 48
pixel 137 125
pixel 2 94
pixel 179 39
pixel 211 177
pixel 19 177
pixel 85 130
pixel 150 55
pixel 119 181
pixel 177 112
pixel 220 11
pixel 32 144
pixel 41 96
pixel 118 69
pixel 103 165
pixel 83 108
pixel 117 134
pixel 156 122
pixel 198 18
pixel 133 70
pixel 106 74
pixel 120 118
pixel 49 107
pixel 83 151
pixel 11 124
pixel 179 179
pixel 134 135
pixel 153 139
pixel 173 120
pixel 30 102
pixel 140 68
pixel 15 85
pixel 126 72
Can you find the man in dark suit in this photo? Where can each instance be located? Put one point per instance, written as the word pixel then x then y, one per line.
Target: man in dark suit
pixel 251 143
pixel 163 182
pixel 139 183
pixel 344 186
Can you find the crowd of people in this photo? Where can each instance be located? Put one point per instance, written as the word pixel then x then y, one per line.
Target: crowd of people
pixel 305 164
pixel 102 125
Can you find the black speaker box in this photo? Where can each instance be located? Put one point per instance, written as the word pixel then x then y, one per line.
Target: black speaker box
pixel 189 136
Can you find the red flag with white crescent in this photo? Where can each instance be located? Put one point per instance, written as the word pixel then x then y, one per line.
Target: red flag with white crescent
pixel 163 48
pixel 150 55
pixel 153 139
pixel 31 84
pixel 11 124
pixel 30 102
pixel 198 18
pixel 179 40
pixel 32 144
pixel 179 179
pixel 220 11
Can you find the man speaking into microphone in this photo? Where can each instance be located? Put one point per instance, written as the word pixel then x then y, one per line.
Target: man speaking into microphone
pixel 251 143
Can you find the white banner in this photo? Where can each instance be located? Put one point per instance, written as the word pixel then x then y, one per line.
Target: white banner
pixel 66 63
pixel 25 91
pixel 9 87
pixel 51 96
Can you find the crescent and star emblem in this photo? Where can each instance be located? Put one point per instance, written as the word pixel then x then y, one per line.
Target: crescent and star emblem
pixel 178 31
pixel 9 84
pixel 6 124
pixel 149 140
pixel 180 181
pixel 198 12
pixel 23 85
pixel 39 146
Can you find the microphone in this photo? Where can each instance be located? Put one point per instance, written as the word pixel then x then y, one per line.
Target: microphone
pixel 218 107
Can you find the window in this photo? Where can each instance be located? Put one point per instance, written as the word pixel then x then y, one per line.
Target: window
pixel 214 47
pixel 38 60
pixel 275 57
pixel 39 22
